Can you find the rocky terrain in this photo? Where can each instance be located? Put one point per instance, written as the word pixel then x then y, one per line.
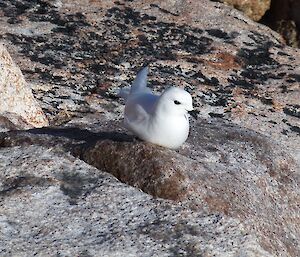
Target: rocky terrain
pixel 74 182
pixel 280 15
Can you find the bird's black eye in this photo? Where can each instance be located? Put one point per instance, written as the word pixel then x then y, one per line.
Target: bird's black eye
pixel 177 102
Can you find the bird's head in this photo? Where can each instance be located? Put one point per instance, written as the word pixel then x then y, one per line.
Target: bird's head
pixel 176 101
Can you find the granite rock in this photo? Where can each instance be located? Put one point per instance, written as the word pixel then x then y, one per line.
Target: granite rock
pixel 222 168
pixel 235 68
pixel 283 17
pixel 254 9
pixel 17 103
pixel 53 204
pixel 241 161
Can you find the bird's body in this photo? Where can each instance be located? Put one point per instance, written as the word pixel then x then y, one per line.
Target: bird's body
pixel 161 120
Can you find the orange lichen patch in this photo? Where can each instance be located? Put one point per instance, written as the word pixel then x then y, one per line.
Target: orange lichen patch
pixel 224 61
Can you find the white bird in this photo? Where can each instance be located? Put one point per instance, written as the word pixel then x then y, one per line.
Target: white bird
pixel 158 119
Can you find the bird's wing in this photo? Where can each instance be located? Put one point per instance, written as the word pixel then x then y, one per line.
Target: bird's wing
pixel 135 115
pixel 139 85
pixel 139 108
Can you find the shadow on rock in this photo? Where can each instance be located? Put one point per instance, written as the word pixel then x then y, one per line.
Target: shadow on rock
pixel 78 134
pixel 64 137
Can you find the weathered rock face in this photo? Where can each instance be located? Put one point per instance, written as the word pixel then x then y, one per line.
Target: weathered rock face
pixel 283 17
pixel 75 53
pixel 280 15
pixel 221 169
pixel 17 104
pixel 55 205
pixel 234 67
pixel 254 9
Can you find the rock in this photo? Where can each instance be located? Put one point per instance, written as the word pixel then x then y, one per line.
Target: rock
pixel 55 205
pixel 241 161
pixel 223 168
pixel 283 17
pixel 16 98
pixel 254 9
pixel 12 121
pixel 6 124
pixel 230 64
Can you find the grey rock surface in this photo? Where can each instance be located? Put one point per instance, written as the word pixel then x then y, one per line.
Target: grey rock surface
pixel 53 204
pixel 231 190
pixel 222 169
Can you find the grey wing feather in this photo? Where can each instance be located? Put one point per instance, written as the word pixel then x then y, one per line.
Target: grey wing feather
pixel 138 109
pixel 135 114
pixel 140 82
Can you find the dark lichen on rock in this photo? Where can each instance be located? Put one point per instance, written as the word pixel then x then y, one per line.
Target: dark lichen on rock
pixel 76 54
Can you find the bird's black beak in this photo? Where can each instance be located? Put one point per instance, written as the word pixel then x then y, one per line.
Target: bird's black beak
pixel 194 114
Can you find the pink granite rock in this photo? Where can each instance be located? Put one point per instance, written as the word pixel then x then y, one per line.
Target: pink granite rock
pixel 254 9
pixel 16 98
pixel 240 161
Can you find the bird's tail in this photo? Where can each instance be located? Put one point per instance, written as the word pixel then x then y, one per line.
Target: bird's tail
pixel 138 85
pixel 140 82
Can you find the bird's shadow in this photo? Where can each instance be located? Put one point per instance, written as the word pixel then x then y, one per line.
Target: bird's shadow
pixel 83 136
